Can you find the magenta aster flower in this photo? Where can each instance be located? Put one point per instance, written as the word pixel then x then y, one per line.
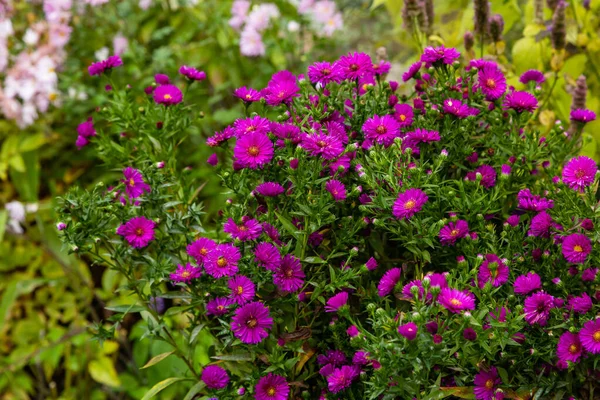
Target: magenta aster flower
pixel 442 54
pixel 336 189
pixel 582 115
pixel 272 387
pixel 138 231
pixel 486 383
pixel 134 183
pixel 192 73
pixel 407 290
pixel 324 73
pixel 354 66
pixel 456 108
pixel 526 284
pixel 408 330
pixel 289 277
pixel 453 231
pixel 101 67
pixel 200 248
pixel 520 101
pixel 470 334
pixel 541 225
pixel 250 323
pixel 382 68
pixel 326 146
pixel 530 202
pixel 267 255
pixel 414 138
pixel 389 281
pixel 371 264
pixel 491 82
pixel 576 247
pixel 249 229
pixel 493 270
pixel 185 273
pixel 86 129
pixel 579 173
pixel 247 95
pixel 569 347
pixel 409 203
pixel 382 130
pixel 537 308
pixel 167 95
pixel 412 71
pixel 581 304
pixel 455 300
pixel 218 306
pixel 214 377
pixel 286 131
pixel 589 274
pixel 270 189
pixel 341 378
pixel 404 114
pixel 242 289
pixel 222 261
pixel 254 124
pixel 336 302
pixel 488 176
pixel 533 75
pixel 590 336
pixel 253 150
pixel 282 89
pixel 161 79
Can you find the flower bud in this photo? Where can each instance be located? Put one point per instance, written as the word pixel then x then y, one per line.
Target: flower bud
pixel 160 164
pixel 61 226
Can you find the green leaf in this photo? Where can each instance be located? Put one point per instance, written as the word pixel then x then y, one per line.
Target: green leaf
pixel 32 142
pixel 8 298
pixel 235 357
pixel 103 371
pixel 287 225
pixel 157 359
pixel 127 308
pixel 162 385
pixel 3 219
pixel 194 391
pixel 314 260
pixel 195 332
pixel 17 163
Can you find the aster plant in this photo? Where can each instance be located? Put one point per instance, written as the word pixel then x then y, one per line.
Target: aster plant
pixel 374 246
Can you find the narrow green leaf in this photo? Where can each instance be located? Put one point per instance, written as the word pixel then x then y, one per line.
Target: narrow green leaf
pixel 287 225
pixel 8 298
pixel 157 359
pixel 3 219
pixel 235 357
pixel 125 309
pixel 314 260
pixel 194 391
pixel 195 333
pixel 162 385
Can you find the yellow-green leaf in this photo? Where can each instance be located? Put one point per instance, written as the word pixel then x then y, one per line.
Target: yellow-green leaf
pixel 103 371
pixel 161 385
pixel 32 142
pixel 157 359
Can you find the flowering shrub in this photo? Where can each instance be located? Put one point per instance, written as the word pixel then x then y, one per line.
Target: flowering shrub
pixel 373 246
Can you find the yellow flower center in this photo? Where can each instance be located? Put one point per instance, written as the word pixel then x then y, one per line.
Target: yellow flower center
pixel 252 322
pixel 248 96
pixel 253 150
pixel 402 117
pixel 596 336
pixel 489 384
pixel 185 274
pixel 573 348
pixel 221 262
pixel 409 205
pixel 454 232
pixel 578 248
pixel 326 71
pixel 455 302
pixel 131 182
pixel 239 290
pixel 203 251
pixel 139 231
pixel 271 391
pixel 490 83
pixel 380 129
pixel 321 143
pixel 168 97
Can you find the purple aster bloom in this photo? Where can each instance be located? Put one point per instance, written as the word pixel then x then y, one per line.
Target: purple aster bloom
pixel 352 331
pixel 361 358
pixel 289 277
pixel 453 231
pixel 437 279
pixel 408 330
pixel 218 306
pixel 242 289
pixel 247 95
pixel 480 63
pixel 161 79
pixel 192 73
pixel 530 202
pixel 81 142
pixel 138 231
pixel 324 73
pixel 200 248
pixel 382 130
pixel 249 229
pixel 590 336
pixel 282 89
pixel 326 146
pixel 286 131
pixel 589 274
pixel 541 225
pixel 404 114
pixel 134 183
pixel 250 323
pixel 581 304
pixel 579 173
pixel 407 290
pixel 267 255
pixel 513 220
pixel 505 170
pixel 334 357
pixel 569 347
pixel 470 334
pixel 214 377
pixel 533 75
pixel 520 102
pixel 488 176
pixel 86 129
pixel 455 300
pixel 414 138
pixel 167 95
pixel 409 203
pixel 185 273
pixel 341 378
pixel 537 308
pixel 492 82
pixel 486 383
pixel 253 150
pixel 213 159
pixel 220 137
pixel 493 270
pixel 336 189
pixel 100 67
pixel 526 284
pixel 336 302
pixel 412 71
pixel 270 189
pixel 222 261
pixel 254 124
pixel 432 55
pixel 382 68
pixel 272 387
pixel 456 108
pixel 371 264
pixel 389 281
pixel 354 66
pixel 582 115
pixel 576 247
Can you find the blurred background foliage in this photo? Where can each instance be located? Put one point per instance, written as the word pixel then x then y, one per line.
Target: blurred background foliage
pixel 49 301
